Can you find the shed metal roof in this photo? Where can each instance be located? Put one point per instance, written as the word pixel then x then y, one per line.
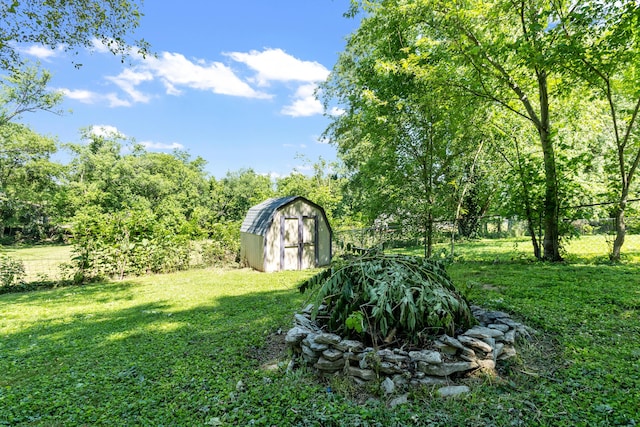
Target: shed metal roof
pixel 260 217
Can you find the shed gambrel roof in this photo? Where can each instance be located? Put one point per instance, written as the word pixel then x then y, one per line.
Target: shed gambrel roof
pixel 260 217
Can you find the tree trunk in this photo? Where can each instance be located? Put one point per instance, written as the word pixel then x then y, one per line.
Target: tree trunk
pixel 621 231
pixel 428 237
pixel 551 242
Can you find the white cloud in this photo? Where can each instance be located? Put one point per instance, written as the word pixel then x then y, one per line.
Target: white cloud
pixel 149 145
pixel 89 97
pixel 84 96
pixel 116 101
pixel 174 70
pixel 106 131
pixel 305 103
pixel 43 52
pixel 178 73
pixel 335 111
pixel 277 65
pixel 128 80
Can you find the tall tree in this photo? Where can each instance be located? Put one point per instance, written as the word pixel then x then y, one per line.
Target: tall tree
pixel 502 51
pixel 323 187
pixel 601 45
pixel 68 24
pixel 28 181
pixel 233 195
pixel 402 127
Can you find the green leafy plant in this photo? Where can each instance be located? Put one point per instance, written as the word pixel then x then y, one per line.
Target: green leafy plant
pixel 388 298
pixel 11 271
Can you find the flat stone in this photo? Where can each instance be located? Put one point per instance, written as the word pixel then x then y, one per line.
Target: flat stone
pixel 483 332
pixel 396 358
pixel 329 339
pixel 400 380
pixel 310 341
pixel 390 368
pixel 349 345
pixel 444 348
pixel 453 390
pixel 296 334
pixel 507 352
pixel 494 315
pixel 309 352
pixel 427 381
pixel 303 321
pixel 332 354
pixel 509 322
pixel 364 374
pixel 499 326
pixel 384 353
pixel 446 369
pixel 400 400
pixel 388 386
pixel 426 356
pixel 446 339
pixel 329 365
pixel 510 337
pixel 475 343
pixel 498 350
pixel 469 355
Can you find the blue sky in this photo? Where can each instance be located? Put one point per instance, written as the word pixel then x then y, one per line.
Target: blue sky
pixel 232 82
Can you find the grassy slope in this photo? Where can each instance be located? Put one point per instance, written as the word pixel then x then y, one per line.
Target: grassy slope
pixel 170 350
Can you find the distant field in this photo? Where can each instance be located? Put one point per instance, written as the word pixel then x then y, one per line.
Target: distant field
pixel 40 262
pixel 584 249
pixel 43 262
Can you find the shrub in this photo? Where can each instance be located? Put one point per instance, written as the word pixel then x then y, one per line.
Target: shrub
pixel 11 272
pixel 383 298
pixel 224 247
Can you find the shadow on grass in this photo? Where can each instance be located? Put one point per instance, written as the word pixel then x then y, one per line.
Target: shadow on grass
pixel 152 360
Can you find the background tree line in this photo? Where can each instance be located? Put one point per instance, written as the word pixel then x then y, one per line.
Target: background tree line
pixel 453 110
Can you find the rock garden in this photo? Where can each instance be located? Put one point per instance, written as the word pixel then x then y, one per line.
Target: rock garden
pixel 399 321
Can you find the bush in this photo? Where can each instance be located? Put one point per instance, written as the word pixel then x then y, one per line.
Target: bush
pixel 11 272
pixel 224 247
pixel 383 298
pixel 131 242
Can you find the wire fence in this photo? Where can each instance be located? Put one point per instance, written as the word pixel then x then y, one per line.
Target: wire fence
pixel 493 237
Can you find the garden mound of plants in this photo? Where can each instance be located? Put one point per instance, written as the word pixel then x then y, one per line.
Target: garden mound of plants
pixel 385 300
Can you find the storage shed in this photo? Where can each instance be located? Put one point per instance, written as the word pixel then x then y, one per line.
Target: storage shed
pixel 287 233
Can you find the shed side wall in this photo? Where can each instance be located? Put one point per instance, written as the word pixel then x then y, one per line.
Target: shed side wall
pixel 252 250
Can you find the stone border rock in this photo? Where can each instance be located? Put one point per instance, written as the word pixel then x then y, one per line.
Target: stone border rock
pixel 481 347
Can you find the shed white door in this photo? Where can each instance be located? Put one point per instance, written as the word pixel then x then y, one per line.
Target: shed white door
pixel 298 242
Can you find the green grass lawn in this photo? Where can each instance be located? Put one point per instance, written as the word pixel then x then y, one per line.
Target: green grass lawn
pixel 170 350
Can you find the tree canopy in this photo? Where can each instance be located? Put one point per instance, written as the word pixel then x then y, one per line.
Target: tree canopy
pixel 68 24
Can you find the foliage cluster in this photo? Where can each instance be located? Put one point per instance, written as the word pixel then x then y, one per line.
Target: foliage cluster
pixel 385 299
pixel 132 242
pixel 455 109
pixel 11 272
pixel 172 349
